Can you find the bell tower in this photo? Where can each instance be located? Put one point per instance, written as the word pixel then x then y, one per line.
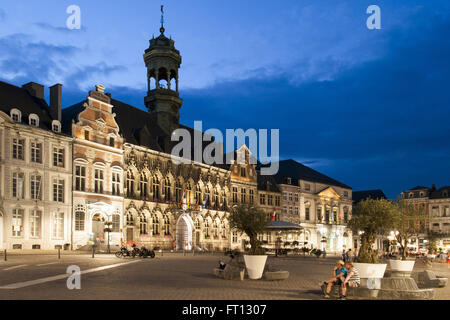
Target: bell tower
pixel 163 62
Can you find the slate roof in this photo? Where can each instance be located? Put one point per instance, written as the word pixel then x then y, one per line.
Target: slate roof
pixel 12 96
pixel 365 194
pixel 295 170
pixel 267 183
pixel 440 193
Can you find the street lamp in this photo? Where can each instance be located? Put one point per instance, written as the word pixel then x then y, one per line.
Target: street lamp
pixel 108 228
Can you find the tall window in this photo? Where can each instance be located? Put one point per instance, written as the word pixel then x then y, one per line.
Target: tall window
pixel 79 218
pixel 35 223
pixel 290 211
pixel 86 134
pixel 142 224
pixel 130 184
pixel 327 215
pixel 115 222
pixel 167 189
pixel 234 237
pixel 216 198
pixel 36 152
pixel 58 190
pixel 98 180
pixel 262 199
pixel 290 196
pixel 277 201
pixel 243 195
pixel 285 196
pixel 155 224
pixel 166 225
pixel 58 225
pixel 270 200
pixel 206 228
pixel 155 187
pixel 345 214
pixel 35 187
pixel 18 148
pixel 235 195
pixel 306 213
pixel 178 191
pixel 18 185
pixel 80 178
pixel 198 195
pixel 143 185
pixel 58 157
pixel 17 222
pixel 296 197
pixel 319 213
pixel 116 183
pixel 296 211
pixel 251 197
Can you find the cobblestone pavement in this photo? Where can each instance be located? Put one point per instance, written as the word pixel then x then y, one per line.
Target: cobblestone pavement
pixel 171 276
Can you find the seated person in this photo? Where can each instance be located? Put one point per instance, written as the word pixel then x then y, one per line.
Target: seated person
pixel 339 275
pixel 222 264
pixel 352 279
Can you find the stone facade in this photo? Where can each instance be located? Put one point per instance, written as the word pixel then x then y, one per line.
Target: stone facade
pixel 35 189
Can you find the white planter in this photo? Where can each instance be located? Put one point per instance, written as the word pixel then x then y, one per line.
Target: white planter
pixel 401 265
pixel 255 266
pixel 370 270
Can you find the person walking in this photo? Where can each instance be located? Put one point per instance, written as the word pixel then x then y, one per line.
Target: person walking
pixel 344 255
pixel 324 253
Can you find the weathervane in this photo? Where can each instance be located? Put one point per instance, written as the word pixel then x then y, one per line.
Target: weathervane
pixel 162 19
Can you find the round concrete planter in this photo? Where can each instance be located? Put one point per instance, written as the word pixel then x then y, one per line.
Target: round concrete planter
pixel 371 270
pixel 255 265
pixel 404 267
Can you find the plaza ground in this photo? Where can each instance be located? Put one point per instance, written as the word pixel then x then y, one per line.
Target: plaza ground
pixel 172 276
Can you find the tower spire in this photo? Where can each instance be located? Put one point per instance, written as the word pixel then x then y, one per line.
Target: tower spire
pixel 162 19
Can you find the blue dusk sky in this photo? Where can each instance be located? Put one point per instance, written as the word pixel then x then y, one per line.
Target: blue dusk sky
pixel 370 108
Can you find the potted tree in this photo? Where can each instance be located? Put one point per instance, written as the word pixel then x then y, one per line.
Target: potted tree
pixel 371 218
pixel 408 223
pixel 251 221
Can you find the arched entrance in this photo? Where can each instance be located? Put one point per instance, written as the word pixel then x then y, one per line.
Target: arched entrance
pixel 184 232
pixel 98 226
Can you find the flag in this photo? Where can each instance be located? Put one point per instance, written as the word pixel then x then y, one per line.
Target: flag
pixel 182 197
pixel 204 202
pixel 274 213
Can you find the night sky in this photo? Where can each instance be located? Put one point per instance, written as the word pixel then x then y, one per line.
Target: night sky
pixel 370 108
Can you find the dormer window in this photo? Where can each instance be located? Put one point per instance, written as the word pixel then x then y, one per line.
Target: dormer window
pixel 243 173
pixel 111 141
pixel 33 120
pixel 86 135
pixel 445 194
pixel 16 115
pixel 411 195
pixel 56 126
pixel 289 180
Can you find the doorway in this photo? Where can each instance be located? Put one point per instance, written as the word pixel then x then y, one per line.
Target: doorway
pixel 98 227
pixel 184 233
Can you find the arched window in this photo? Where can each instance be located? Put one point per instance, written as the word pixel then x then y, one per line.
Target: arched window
pixel 206 200
pixel 130 184
pixel 155 224
pixel 142 224
pixel 216 198
pixel 197 224
pixel 166 225
pixel 155 187
pixel 215 229
pixel 144 186
pixel 130 220
pixel 80 217
pixel 206 228
pixel 16 115
pixel 33 120
pixel 198 194
pixel 188 192
pixel 167 189
pixel 56 126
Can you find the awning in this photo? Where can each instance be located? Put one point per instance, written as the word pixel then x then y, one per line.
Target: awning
pixel 283 225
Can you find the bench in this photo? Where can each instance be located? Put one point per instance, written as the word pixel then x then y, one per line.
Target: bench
pixel 430 280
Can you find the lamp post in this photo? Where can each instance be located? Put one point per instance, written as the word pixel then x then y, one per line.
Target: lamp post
pixel 108 228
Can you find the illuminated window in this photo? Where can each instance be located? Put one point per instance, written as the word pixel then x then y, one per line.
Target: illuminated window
pixel 98 180
pixel 35 187
pixel 80 178
pixel 80 217
pixel 58 225
pixel 58 157
pixel 115 183
pixel 58 190
pixel 36 152
pixel 18 149
pixel 17 222
pixel 35 223
pixel 18 185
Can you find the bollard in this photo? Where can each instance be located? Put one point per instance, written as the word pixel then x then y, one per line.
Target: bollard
pixel 59 253
pixel 93 251
pixel 5 254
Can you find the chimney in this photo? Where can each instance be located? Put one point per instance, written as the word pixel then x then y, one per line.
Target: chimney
pixel 56 101
pixel 35 89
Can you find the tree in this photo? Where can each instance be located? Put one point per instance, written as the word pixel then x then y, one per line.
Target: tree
pixel 251 221
pixel 371 218
pixel 409 222
pixel 432 242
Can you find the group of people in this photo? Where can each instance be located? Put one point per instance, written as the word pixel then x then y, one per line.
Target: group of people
pixel 344 274
pixel 318 252
pixel 348 255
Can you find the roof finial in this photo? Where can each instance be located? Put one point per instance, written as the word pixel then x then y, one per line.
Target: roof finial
pixel 162 19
